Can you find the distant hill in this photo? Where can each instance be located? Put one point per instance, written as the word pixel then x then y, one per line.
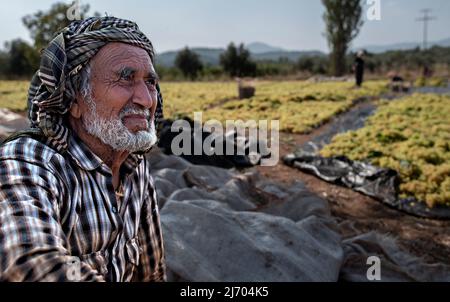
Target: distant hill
pixel 209 56
pixel 259 47
pixel 402 46
pixel 290 55
pixel 259 52
pixel 264 52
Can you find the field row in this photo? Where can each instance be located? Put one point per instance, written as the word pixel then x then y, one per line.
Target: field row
pixel 13 95
pixel 298 105
pixel 411 136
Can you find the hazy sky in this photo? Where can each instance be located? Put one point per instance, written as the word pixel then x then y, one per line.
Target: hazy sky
pixel 290 24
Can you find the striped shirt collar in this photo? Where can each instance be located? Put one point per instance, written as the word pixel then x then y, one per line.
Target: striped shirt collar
pixel 89 161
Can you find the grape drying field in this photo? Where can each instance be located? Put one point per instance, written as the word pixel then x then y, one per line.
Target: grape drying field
pixel 411 135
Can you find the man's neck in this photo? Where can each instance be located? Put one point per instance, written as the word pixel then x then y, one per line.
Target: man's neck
pixel 113 159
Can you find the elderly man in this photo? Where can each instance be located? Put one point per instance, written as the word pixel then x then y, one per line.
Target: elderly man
pixel 77 201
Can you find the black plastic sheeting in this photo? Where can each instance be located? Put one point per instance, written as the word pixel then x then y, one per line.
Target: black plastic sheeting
pixel 355 118
pixel 379 183
pixel 224 161
pixel 350 120
pixel 438 90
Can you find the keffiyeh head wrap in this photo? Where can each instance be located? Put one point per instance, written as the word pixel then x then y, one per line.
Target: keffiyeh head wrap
pixel 53 88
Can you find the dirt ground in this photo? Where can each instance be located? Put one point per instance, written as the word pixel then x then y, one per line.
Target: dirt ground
pixel 425 238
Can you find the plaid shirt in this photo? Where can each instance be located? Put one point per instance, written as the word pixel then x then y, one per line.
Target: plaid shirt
pixel 60 219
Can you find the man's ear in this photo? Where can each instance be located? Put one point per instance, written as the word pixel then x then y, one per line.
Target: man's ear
pixel 75 110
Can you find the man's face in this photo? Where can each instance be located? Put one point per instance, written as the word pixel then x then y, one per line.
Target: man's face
pixel 120 110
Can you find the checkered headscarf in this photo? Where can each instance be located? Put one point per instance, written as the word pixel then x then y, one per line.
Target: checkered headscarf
pixel 52 88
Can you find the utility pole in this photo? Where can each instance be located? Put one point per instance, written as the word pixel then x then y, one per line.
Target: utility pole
pixel 425 20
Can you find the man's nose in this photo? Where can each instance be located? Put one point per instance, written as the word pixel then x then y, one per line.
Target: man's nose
pixel 143 96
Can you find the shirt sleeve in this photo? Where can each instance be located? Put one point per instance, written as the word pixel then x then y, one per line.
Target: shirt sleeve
pixel 32 243
pixel 152 266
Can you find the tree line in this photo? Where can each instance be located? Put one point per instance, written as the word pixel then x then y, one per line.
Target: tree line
pixel 237 62
pixel 20 59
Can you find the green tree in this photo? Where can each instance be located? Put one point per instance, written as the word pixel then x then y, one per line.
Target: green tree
pixel 4 59
pixel 343 22
pixel 189 63
pixel 237 61
pixel 305 64
pixel 21 59
pixel 43 25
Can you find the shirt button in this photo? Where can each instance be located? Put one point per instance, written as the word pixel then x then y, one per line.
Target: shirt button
pixel 114 209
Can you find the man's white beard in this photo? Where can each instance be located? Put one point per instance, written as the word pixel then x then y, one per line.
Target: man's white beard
pixel 115 134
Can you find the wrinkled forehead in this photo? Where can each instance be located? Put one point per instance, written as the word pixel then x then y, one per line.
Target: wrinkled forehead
pixel 116 56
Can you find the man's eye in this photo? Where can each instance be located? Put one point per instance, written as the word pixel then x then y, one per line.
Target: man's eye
pixel 126 77
pixel 151 82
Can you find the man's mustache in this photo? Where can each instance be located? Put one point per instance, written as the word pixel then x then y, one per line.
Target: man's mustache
pixel 135 111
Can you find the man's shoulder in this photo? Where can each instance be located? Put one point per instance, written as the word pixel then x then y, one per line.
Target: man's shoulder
pixel 27 149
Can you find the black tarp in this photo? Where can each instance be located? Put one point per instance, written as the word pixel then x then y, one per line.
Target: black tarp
pixel 379 183
pixel 166 136
pixel 350 120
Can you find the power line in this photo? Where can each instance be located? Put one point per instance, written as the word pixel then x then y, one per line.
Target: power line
pixel 425 20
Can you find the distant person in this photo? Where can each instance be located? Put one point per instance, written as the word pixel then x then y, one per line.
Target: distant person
pixel 77 201
pixel 427 72
pixel 358 68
